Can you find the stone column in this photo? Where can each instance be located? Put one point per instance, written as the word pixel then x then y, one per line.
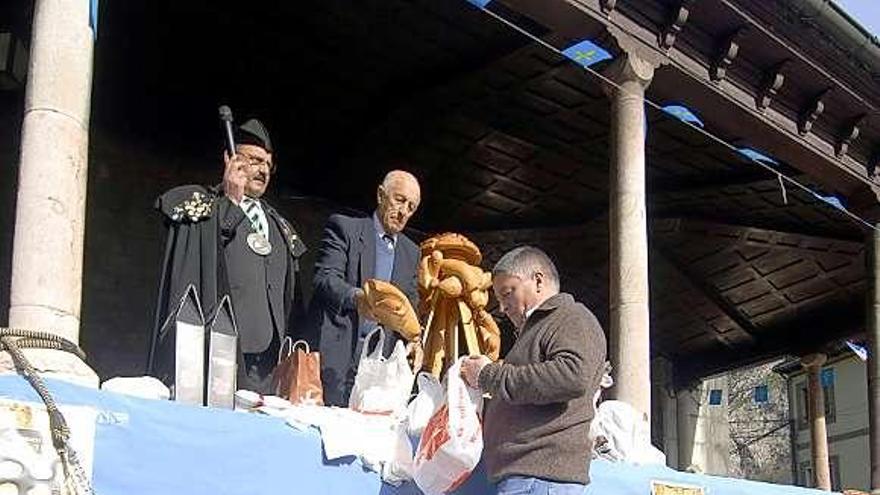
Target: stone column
pixel 873 368
pixel 628 235
pixel 46 288
pixel 819 435
pixel 665 409
pixel 687 413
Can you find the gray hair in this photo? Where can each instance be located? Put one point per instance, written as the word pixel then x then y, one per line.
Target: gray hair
pixel 398 175
pixel 524 262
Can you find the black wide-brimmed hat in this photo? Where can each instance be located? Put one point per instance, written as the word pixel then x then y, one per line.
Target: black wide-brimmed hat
pixel 254 132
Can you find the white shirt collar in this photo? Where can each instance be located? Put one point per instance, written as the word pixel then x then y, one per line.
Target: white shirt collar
pixel 246 200
pixel 530 311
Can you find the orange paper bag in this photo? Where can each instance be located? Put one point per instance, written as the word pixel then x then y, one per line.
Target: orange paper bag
pixel 298 374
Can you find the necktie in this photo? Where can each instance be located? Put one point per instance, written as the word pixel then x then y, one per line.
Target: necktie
pixel 389 241
pixel 253 212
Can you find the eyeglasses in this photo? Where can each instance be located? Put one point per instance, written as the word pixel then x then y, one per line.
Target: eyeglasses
pixel 257 162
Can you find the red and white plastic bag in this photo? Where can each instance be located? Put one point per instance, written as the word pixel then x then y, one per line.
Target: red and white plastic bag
pixel 452 442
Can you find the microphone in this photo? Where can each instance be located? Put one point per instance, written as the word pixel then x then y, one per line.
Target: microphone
pixel 226 117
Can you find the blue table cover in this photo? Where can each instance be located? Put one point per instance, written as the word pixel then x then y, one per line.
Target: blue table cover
pixel 146 447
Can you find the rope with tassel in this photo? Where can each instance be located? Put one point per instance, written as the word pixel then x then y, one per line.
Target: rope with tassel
pixel 13 340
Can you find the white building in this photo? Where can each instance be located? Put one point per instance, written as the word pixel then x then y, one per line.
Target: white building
pixel 844 380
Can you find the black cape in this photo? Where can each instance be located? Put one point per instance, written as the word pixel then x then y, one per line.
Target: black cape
pixel 200 222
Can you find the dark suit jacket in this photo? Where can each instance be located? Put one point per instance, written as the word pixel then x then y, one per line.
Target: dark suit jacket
pixel 194 254
pixel 346 259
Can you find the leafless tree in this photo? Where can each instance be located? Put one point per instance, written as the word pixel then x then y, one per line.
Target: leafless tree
pixel 760 447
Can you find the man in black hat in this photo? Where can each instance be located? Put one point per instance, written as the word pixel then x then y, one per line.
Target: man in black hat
pixel 227 240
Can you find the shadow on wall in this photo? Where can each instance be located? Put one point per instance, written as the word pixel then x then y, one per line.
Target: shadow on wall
pixel 10 134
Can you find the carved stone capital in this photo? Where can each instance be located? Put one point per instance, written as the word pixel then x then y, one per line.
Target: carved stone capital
pixel 628 69
pixel 814 360
pixel 633 68
pixel 635 47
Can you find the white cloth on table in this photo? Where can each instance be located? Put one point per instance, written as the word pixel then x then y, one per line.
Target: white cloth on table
pixel 380 441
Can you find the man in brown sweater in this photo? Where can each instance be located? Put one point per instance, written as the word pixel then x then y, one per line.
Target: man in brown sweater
pixel 536 426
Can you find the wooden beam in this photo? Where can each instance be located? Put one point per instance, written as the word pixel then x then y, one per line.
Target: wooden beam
pixel 873 162
pixel 709 291
pixel 773 81
pixel 850 134
pixel 775 239
pixel 689 75
pixel 811 113
pixel 677 19
pixel 608 6
pixel 812 331
pixel 727 53
pixel 665 187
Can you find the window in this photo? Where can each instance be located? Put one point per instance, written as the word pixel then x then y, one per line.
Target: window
pixel 828 387
pixel 715 397
pixel 762 394
pixel 803 410
pixel 827 377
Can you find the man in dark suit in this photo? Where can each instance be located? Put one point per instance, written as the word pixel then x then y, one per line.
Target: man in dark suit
pixel 227 240
pixel 354 250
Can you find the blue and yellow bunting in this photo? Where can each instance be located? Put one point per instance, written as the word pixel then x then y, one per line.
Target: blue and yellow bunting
pixel 757 156
pixel 683 113
pixel 831 200
pixel 586 53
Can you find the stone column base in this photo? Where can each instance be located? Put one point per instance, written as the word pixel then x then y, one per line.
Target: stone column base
pixel 54 364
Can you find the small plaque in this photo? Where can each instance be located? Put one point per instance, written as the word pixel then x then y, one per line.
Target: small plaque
pixel 673 488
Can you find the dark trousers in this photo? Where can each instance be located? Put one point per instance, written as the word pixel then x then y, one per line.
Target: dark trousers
pixel 256 374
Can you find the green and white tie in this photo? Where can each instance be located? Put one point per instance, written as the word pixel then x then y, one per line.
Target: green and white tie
pixel 253 212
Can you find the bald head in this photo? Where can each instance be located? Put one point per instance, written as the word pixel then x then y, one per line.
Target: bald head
pixel 398 197
pixel 398 177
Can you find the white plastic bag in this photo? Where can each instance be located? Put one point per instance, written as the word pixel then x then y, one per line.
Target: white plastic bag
pixel 390 453
pixel 426 403
pixel 452 442
pixel 382 385
pixel 621 434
